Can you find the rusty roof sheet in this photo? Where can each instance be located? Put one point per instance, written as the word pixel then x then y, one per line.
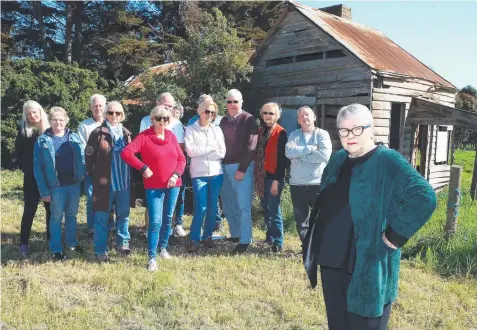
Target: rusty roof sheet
pixel 371 46
pixel 135 81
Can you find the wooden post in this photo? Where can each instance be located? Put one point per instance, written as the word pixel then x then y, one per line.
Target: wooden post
pixel 322 116
pixel 453 200
pixel 452 146
pixel 473 185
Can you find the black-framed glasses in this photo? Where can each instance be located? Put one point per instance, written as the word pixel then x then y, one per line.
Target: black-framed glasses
pixel 114 113
pixel 357 131
pixel 160 118
pixel 268 113
pixel 208 112
pixel 234 102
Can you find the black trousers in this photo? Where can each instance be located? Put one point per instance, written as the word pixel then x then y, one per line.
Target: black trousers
pixel 31 197
pixel 303 198
pixel 335 284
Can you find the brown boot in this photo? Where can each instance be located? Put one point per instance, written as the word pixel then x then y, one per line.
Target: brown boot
pixel 192 247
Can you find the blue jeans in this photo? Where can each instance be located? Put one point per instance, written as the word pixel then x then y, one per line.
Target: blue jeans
pixel 88 188
pixel 206 195
pixel 180 204
pixel 272 213
pixel 101 222
pixel 161 204
pixel 237 202
pixel 64 199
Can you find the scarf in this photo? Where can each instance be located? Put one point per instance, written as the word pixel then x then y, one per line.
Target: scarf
pixel 117 135
pixel 260 161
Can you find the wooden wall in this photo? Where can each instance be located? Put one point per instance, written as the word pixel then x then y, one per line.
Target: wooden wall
pixel 325 85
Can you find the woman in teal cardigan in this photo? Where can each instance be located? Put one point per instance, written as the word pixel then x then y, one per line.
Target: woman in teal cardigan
pixel 372 202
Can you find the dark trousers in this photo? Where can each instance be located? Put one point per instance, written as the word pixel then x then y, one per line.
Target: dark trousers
pixel 303 198
pixel 335 284
pixel 31 197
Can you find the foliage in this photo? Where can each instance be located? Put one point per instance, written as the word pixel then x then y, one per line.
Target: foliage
pixel 212 60
pixel 466 99
pixel 48 83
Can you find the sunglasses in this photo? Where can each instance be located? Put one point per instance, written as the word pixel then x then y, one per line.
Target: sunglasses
pixel 234 102
pixel 208 112
pixel 159 118
pixel 268 113
pixel 114 113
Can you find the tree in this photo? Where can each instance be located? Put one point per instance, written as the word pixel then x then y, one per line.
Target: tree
pixel 466 99
pixel 48 83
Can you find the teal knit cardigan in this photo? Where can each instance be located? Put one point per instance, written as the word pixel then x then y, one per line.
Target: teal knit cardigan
pixel 386 195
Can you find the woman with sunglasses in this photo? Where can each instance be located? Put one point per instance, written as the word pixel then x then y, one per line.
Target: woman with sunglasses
pixel 270 164
pixel 205 146
pixel 162 165
pixel 111 180
pixel 372 202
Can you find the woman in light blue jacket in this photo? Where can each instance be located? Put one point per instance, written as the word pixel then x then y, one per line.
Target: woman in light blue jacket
pixel 59 168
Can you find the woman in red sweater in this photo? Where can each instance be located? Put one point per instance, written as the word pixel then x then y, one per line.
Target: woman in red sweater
pixel 162 165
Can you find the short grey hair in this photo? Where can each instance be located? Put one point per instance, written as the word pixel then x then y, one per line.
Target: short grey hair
pixel 303 109
pixel 235 92
pixel 355 110
pixel 164 95
pixel 59 111
pixel 25 124
pixel 160 110
pixel 203 97
pixel 110 104
pixel 178 106
pixel 100 97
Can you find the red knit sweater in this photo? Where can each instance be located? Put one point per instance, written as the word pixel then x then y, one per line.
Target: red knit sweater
pixel 163 157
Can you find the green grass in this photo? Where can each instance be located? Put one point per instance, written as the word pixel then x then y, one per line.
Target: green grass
pixel 214 290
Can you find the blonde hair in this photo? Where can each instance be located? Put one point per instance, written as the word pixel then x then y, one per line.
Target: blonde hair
pixel 110 104
pixel 160 110
pixel 203 97
pixel 272 105
pixel 205 104
pixel 59 110
pixel 25 124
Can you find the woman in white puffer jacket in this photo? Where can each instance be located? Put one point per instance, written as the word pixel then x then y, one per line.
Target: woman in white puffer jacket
pixel 205 146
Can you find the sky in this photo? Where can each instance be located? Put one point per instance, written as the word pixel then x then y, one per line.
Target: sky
pixel 441 34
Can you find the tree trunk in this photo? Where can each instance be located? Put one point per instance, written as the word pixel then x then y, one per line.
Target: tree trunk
pixel 78 24
pixel 68 31
pixel 39 18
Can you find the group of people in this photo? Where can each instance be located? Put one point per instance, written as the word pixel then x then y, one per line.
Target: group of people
pixel 353 211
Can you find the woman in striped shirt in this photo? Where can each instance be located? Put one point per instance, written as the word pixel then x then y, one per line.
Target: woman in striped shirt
pixel 111 180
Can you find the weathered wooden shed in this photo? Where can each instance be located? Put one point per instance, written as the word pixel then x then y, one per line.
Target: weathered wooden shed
pixel 321 58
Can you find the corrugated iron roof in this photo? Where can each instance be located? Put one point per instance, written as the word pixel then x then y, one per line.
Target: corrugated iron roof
pixel 371 46
pixel 135 81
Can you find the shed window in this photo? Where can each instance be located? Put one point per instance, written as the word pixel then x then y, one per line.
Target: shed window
pixel 309 57
pixel 335 54
pixel 280 61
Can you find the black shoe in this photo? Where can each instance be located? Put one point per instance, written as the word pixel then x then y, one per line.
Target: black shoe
pixel 90 234
pixel 277 248
pixel 103 258
pixel 124 251
pixel 174 241
pixel 77 249
pixel 233 239
pixel 241 248
pixel 208 243
pixel 58 256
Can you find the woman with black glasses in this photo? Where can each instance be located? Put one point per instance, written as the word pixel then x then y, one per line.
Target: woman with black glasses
pixel 372 202
pixel 162 165
pixel 111 180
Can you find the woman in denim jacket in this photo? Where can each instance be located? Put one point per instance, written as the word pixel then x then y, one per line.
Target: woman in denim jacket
pixel 59 168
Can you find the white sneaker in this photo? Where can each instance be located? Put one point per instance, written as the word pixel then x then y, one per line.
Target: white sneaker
pixel 164 254
pixel 152 265
pixel 179 231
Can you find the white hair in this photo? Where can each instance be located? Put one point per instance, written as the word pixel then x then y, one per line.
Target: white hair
pixel 178 106
pixel 235 92
pixel 163 96
pixel 97 97
pixel 59 111
pixel 272 105
pixel 355 111
pixel 303 109
pixel 25 124
pixel 110 104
